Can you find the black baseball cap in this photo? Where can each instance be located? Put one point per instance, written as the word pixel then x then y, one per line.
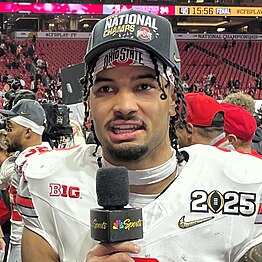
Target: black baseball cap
pixel 133 28
pixel 29 109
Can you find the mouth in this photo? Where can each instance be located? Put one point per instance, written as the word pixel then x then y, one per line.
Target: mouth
pixel 122 129
pixel 125 131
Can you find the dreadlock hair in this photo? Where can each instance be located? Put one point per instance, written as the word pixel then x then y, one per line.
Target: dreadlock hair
pixel 180 107
pixel 87 82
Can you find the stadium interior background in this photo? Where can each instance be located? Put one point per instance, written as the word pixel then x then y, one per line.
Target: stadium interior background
pixel 220 42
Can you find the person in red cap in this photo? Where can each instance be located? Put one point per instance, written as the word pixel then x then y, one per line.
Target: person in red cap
pixel 240 127
pixel 204 122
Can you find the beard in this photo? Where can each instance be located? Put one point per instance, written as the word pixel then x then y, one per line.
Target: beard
pixel 15 146
pixel 124 152
pixel 127 153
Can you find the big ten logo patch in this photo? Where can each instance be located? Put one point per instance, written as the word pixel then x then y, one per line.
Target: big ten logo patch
pixel 127 24
pixel 230 202
pixel 59 190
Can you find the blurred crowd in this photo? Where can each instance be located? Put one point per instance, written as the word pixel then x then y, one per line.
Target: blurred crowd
pixel 24 67
pixel 209 86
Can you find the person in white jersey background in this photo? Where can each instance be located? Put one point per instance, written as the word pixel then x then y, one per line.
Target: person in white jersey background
pixel 199 204
pixel 25 126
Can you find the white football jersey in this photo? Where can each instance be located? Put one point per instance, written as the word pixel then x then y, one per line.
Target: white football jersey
pixel 16 220
pixel 211 212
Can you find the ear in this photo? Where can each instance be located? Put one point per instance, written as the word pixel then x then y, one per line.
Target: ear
pixel 28 133
pixel 232 139
pixel 172 105
pixel 190 134
pixel 190 128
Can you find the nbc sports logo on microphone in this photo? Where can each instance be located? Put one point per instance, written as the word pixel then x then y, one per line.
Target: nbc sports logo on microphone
pixel 118 224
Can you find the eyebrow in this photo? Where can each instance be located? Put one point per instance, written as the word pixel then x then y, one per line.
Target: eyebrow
pixel 142 76
pixel 136 77
pixel 102 79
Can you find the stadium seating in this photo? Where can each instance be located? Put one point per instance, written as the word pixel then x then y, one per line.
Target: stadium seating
pixel 61 53
pixel 197 63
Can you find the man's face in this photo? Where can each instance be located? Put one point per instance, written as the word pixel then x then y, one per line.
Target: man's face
pixel 130 120
pixel 14 136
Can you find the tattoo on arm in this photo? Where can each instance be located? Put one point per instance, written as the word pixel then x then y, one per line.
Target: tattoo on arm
pixel 253 255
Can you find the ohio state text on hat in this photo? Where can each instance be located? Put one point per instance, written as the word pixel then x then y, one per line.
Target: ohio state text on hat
pixel 135 29
pixel 201 110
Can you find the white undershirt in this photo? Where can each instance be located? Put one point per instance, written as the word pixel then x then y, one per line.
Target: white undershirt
pixel 139 200
pixel 151 175
pixel 146 177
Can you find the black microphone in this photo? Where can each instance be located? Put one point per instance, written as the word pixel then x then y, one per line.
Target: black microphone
pixel 114 222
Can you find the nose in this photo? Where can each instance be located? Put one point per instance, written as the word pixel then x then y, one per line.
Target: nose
pixel 125 103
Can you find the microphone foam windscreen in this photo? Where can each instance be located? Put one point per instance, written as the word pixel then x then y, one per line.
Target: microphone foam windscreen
pixel 112 187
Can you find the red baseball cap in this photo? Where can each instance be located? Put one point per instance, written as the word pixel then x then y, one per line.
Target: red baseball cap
pixel 201 110
pixel 239 122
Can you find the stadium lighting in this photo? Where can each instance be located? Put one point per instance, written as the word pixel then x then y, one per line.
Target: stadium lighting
pixel 201 23
pixel 221 29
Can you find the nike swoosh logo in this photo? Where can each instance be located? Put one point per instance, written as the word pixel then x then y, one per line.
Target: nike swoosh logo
pixel 186 224
pixel 24 113
pixel 177 59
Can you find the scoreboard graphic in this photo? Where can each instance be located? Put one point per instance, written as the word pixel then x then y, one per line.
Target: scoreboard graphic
pixel 218 11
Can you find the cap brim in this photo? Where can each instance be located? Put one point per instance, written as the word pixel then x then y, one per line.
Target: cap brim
pixel 7 112
pixel 114 43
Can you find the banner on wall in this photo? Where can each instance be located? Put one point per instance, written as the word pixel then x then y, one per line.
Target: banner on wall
pixel 53 35
pixel 211 37
pixel 86 35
